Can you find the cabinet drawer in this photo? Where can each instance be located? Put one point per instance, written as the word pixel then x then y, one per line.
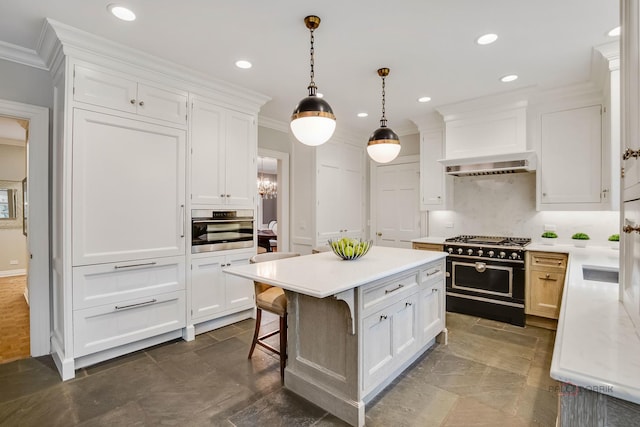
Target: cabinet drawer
pixel 112 325
pixel 428 246
pixel 101 284
pixel 432 272
pixel 389 291
pixel 548 260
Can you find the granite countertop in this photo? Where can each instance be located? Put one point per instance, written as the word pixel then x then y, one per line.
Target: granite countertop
pixel 596 345
pixel 431 239
pixel 324 274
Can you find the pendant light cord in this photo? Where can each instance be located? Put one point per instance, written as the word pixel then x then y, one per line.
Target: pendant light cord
pixel 312 85
pixel 383 120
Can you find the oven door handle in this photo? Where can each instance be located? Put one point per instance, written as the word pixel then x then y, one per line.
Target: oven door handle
pixel 481 267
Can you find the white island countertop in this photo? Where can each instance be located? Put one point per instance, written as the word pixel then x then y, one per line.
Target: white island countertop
pixel 324 274
pixel 596 345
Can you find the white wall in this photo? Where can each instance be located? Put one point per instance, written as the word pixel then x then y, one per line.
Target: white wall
pixel 13 244
pixel 504 205
pixel 25 84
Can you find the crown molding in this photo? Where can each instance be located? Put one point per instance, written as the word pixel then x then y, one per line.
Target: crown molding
pixel 21 55
pixel 268 122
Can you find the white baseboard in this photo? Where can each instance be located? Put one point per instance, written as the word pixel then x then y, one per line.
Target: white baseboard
pixel 9 273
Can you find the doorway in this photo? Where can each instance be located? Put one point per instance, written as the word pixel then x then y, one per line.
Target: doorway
pixel 273 210
pixel 14 295
pixel 30 213
pixel 395 202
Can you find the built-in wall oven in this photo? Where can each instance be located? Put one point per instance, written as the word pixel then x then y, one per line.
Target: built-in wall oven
pixel 217 230
pixel 486 277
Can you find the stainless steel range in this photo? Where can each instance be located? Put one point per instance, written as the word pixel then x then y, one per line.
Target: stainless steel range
pixel 485 277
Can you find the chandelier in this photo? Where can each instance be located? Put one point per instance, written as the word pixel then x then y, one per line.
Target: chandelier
pixel 266 188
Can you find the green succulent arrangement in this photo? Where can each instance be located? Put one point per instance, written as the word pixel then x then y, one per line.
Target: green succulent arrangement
pixel 549 235
pixel 580 236
pixel 614 238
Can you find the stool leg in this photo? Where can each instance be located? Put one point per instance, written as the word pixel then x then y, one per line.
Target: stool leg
pixel 283 345
pixel 256 332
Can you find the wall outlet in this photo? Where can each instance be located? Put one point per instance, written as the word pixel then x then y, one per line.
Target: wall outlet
pixel 448 225
pixel 549 227
pixel 14 262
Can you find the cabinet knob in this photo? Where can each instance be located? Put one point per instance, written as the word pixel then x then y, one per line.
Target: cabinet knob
pixel 228 195
pixel 141 103
pixel 547 275
pixel 383 317
pixel 222 195
pixel 544 194
pixel 408 304
pixel 379 234
pixel 133 101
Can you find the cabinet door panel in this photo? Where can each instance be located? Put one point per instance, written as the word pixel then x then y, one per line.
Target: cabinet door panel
pixel 330 192
pixel 571 156
pixel 405 331
pixel 207 286
pixel 163 104
pixel 207 154
pixel 377 348
pixel 545 293
pixel 432 312
pixel 239 291
pixel 241 172
pixel 128 189
pixel 432 176
pixel 103 89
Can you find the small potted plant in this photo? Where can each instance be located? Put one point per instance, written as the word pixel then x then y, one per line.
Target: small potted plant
pixel 548 237
pixel 580 240
pixel 614 241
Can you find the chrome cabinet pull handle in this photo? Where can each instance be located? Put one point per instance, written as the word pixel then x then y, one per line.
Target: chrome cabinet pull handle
pixel 124 307
pixel 433 272
pixel 183 219
pixel 135 265
pixel 388 291
pixel 631 228
pixel 408 304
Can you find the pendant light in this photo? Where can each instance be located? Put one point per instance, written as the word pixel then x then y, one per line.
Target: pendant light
pixel 384 144
pixel 313 122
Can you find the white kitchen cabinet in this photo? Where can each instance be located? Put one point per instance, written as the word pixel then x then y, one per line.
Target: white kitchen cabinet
pixel 223 155
pixel 215 294
pixel 339 191
pixel 571 174
pixel 128 189
pixel 436 188
pixel 431 303
pixel 112 90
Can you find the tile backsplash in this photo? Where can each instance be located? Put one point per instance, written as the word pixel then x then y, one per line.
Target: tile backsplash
pixel 505 205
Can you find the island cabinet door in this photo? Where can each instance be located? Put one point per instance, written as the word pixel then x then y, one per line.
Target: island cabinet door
pixel 405 331
pixel 377 348
pixel 431 310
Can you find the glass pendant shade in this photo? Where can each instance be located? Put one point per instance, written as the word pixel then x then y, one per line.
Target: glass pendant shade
pixel 313 122
pixel 384 145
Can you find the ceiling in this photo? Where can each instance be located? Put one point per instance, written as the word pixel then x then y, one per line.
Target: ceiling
pixel 429 45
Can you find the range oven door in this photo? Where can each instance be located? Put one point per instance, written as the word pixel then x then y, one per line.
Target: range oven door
pixel 222 230
pixel 491 279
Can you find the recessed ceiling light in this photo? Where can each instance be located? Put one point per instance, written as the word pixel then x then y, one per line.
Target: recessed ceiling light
pixel 508 78
pixel 424 99
pixel 319 95
pixel 487 39
pixel 243 64
pixel 121 12
pixel 363 114
pixel 615 32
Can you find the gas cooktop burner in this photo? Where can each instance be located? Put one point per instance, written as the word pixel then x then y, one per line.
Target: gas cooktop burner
pixel 490 240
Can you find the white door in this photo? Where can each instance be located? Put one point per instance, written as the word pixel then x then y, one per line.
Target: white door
pixel 239 291
pixel 207 286
pixel 128 189
pixel 241 146
pixel 397 194
pixel 207 153
pixel 330 192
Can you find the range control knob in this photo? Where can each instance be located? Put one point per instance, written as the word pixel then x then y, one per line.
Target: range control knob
pixel 460 251
pixel 450 250
pixel 514 255
pixel 470 251
pixel 480 252
pixel 502 255
pixel 491 253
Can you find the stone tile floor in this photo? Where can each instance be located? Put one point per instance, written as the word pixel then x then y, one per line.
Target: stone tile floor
pixel 490 374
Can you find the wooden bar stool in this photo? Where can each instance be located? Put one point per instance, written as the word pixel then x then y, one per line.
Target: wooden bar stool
pixel 273 300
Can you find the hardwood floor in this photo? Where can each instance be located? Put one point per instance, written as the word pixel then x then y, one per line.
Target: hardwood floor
pixel 14 319
pixel 490 374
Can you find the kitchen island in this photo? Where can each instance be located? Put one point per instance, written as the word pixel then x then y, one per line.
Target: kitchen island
pixel 355 325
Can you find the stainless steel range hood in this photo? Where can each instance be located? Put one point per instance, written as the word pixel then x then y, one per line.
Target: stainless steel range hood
pixel 495 164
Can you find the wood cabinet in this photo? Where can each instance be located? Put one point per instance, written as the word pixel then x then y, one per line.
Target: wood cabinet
pixel 545 282
pixel 128 189
pixel 223 155
pixel 571 172
pixel 214 293
pixel 339 191
pixel 110 89
pixel 427 246
pixel 436 187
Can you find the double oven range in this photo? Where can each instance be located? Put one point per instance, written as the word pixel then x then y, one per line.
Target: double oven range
pixel 485 277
